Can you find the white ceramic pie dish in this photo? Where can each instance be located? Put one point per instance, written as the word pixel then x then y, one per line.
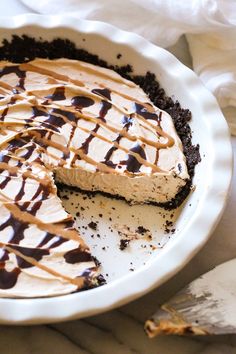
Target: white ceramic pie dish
pixel 203 208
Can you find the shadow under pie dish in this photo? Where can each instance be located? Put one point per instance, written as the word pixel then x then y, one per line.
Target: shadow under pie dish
pixel 84 126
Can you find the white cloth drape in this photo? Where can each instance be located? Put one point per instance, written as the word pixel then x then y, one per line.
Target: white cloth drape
pixel 210 26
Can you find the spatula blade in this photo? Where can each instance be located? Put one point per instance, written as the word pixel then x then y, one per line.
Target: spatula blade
pixel 205 306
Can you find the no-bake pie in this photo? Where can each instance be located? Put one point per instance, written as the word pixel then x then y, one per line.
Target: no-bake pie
pixel 82 125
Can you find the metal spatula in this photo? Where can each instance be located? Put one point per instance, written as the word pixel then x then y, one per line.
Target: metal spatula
pixel 205 306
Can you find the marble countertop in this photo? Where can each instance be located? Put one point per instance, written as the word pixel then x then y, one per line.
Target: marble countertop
pixel 121 331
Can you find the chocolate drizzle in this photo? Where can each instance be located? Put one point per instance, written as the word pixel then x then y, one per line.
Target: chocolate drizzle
pixel 4 257
pixel 104 109
pixel 58 94
pixel 127 122
pixel 21 192
pixel 4 113
pixel 133 165
pixel 29 152
pixel 49 237
pixel 53 119
pixel 85 145
pixel 36 253
pixel 110 152
pixel 143 112
pixel 8 279
pixel 77 256
pixel 5 181
pixel 70 116
pixel 81 102
pixel 18 229
pixel 103 92
pixel 14 70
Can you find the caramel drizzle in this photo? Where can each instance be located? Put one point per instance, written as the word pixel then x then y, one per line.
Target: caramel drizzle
pixel 46 72
pixel 55 229
pixel 118 146
pixel 125 134
pixel 102 123
pixel 26 174
pixel 89 69
pixel 158 130
pixel 101 166
pixel 34 133
pixel 6 86
pixel 78 281
pixel 170 140
pixel 95 119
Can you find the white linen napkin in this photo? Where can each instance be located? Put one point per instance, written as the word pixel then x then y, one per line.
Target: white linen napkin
pixel 210 26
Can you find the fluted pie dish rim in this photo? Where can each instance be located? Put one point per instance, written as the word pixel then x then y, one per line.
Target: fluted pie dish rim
pixel 212 197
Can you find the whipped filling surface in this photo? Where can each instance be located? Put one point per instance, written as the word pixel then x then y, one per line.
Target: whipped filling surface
pixel 90 128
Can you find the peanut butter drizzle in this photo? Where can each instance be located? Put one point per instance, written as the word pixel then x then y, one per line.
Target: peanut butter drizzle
pixel 46 72
pixel 126 96
pixel 118 146
pixel 158 145
pixel 49 142
pixel 27 174
pixel 78 281
pixel 170 140
pixel 6 86
pixel 124 133
pixel 79 65
pixel 54 229
pixel 100 165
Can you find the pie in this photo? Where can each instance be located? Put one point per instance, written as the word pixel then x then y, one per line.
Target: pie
pixel 82 125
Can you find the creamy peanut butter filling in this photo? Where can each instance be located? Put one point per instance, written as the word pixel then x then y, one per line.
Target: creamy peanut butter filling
pixel 88 127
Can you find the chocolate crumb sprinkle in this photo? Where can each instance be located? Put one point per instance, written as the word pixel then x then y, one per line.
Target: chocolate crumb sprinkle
pixel 141 230
pixel 93 225
pixel 123 244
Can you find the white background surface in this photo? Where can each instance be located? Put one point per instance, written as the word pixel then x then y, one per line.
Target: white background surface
pixel 121 331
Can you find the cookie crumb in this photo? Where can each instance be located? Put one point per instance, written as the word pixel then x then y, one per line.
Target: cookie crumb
pixel 123 244
pixel 93 225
